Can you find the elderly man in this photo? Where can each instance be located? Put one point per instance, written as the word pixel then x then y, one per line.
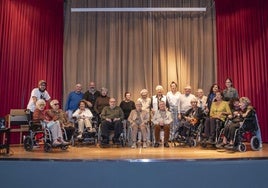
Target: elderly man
pixel 162 119
pixel 111 119
pixel 90 96
pixel 73 99
pixel 138 119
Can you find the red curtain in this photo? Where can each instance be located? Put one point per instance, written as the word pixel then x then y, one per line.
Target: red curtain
pixel 242 46
pixel 31 48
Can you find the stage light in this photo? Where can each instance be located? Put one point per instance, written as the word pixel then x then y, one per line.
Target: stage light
pixel 133 9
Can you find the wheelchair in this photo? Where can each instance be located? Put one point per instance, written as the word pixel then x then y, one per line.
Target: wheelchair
pixel 37 133
pixel 122 138
pixel 247 132
pixel 218 137
pixel 88 138
pixel 192 134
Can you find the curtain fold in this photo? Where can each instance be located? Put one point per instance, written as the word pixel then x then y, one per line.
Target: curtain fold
pixel 31 48
pixel 131 51
pixel 242 38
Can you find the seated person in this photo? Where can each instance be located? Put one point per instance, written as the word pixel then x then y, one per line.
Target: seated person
pixel 83 116
pixel 162 119
pixel 218 112
pixel 111 119
pixel 39 115
pixel 138 119
pixel 191 117
pixel 247 113
pixel 57 114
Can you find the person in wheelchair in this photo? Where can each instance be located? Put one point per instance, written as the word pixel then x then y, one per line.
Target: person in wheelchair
pixel 39 115
pixel 232 118
pixel 83 116
pixel 162 119
pixel 111 119
pixel 138 119
pixel 190 119
pixel 218 112
pixel 57 114
pixel 246 116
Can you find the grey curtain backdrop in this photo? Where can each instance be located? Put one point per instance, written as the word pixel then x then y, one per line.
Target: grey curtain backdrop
pixel 129 51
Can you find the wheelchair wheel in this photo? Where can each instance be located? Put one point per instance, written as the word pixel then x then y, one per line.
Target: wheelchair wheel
pixel 255 143
pixel 47 147
pixel 242 147
pixel 28 144
pixel 192 143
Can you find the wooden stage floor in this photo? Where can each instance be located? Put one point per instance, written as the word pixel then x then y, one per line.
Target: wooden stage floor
pixel 95 153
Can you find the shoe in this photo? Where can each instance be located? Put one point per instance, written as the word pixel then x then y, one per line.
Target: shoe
pixel 93 130
pixel 156 145
pixel 134 145
pixel 36 145
pixel 144 145
pixel 79 136
pixel 166 145
pixel 65 143
pixel 220 145
pixel 229 146
pixel 56 143
pixel 210 141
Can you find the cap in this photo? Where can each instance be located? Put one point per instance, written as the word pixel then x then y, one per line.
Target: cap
pixel 42 82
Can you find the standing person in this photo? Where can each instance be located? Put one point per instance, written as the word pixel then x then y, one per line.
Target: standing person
pixel 159 96
pixel 83 116
pixel 127 105
pixel 90 97
pixel 111 119
pixel 173 97
pixel 57 114
pixel 211 96
pixel 138 119
pixel 73 100
pixel 229 92
pixel 185 101
pixel 201 99
pixel 36 94
pixel 145 100
pixel 162 119
pixel 102 100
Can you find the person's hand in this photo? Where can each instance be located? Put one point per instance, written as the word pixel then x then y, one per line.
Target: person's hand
pixel 107 119
pixel 89 104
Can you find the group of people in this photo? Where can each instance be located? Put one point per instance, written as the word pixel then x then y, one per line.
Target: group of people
pixel 169 112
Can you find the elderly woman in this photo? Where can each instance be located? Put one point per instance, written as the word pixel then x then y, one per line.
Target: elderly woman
pixel 83 116
pixel 218 112
pixel 54 126
pixel 246 114
pixel 57 114
pixel 145 100
pixel 138 119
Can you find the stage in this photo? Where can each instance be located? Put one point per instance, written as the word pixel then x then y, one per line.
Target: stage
pixel 91 152
pixel 92 166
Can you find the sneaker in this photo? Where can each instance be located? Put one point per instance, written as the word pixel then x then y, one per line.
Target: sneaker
pixel 64 143
pixel 79 136
pixel 134 145
pixel 144 145
pixel 56 143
